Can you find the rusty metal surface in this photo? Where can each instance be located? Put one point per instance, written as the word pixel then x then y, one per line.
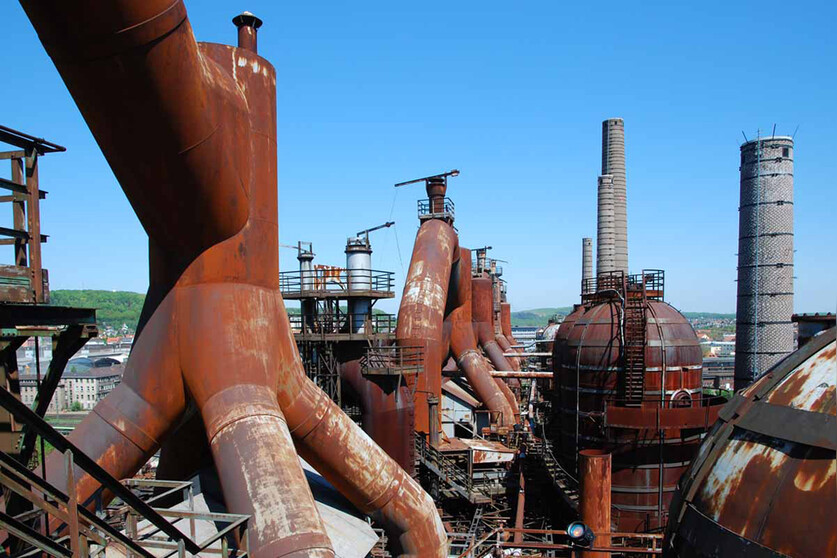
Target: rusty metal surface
pixel 421 314
pixel 386 412
pixel 195 152
pixel 759 484
pixel 483 321
pixel 463 345
pixel 651 444
pixel 594 474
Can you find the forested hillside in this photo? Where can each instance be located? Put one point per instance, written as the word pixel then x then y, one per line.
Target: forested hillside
pixel 113 308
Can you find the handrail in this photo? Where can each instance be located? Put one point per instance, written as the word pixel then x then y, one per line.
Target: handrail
pixel 392 359
pixel 334 280
pixel 341 323
pixel 27 416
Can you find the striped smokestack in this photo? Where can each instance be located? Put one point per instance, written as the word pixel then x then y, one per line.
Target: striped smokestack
pixel 605 249
pixel 586 263
pixel 613 163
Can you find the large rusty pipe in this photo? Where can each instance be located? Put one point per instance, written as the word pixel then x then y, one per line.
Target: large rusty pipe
pixel 594 468
pixel 482 315
pixel 521 507
pixel 421 314
pixel 463 345
pixel 386 412
pixel 125 429
pixel 247 429
pixel 506 346
pixel 505 325
pixel 340 451
pixel 180 116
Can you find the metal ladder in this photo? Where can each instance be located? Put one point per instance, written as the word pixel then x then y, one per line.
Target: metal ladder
pixel 634 345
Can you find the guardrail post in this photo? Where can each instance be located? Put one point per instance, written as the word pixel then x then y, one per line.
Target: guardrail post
pixel 72 504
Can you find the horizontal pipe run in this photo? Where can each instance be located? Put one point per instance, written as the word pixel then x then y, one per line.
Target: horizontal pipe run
pixel 520 374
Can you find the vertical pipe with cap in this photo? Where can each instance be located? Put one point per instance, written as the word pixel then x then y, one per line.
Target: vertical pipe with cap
pixel 605 256
pixel 594 506
pixel 613 163
pixel 248 26
pixel 586 264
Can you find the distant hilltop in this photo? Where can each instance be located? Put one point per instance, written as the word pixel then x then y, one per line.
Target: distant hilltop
pixel 113 308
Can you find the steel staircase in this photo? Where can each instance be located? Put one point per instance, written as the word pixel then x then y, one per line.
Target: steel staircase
pixel 634 345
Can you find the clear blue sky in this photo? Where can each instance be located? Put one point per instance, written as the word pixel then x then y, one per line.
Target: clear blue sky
pixel 513 94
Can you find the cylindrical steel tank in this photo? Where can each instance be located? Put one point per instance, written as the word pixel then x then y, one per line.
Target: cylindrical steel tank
pixel 605 246
pixel 306 284
pixel 763 483
pixel 359 271
pixel 613 163
pixel 592 413
pixel 765 258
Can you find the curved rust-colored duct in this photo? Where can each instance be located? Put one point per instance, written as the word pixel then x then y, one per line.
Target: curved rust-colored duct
pixel 482 293
pixel 190 132
pixel 504 337
pixel 481 308
pixel 421 314
pixel 505 324
pixel 386 412
pixel 463 345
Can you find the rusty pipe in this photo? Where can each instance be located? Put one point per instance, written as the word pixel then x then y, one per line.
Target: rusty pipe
pixel 505 328
pixel 248 26
pixel 386 412
pixel 340 451
pixel 204 118
pixel 482 309
pixel 506 346
pixel 180 115
pixel 483 318
pixel 521 507
pixel 463 345
pixel 125 429
pixel 421 314
pixel 594 468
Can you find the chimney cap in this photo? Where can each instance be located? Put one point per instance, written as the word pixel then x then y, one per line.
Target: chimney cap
pixel 247 19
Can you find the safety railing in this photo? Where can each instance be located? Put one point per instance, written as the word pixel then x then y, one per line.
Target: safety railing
pixel 676 412
pixel 331 324
pixel 607 284
pixel 504 539
pixel 336 281
pixel 25 280
pixel 439 209
pixel 392 361
pixel 229 527
pixel 450 471
pixel 25 415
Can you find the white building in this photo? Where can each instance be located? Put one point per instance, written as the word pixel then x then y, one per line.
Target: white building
pixel 85 386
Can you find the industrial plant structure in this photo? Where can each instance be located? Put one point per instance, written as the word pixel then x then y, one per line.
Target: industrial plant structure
pixel 342 430
pixel 628 370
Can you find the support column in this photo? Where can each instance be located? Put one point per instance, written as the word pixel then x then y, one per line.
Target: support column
pixel 594 505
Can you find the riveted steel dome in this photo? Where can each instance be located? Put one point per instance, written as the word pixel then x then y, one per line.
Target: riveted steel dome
pixel 763 483
pixel 588 363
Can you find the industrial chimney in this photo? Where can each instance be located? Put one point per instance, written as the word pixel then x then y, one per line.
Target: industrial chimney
pixel 613 163
pixel 764 332
pixel 586 264
pixel 605 248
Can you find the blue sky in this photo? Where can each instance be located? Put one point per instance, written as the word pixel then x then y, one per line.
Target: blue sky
pixel 513 94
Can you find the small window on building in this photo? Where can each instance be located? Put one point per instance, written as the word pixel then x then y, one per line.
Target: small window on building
pixel 786 152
